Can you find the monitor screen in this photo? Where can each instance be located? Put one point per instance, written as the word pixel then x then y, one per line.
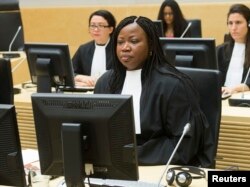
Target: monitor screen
pixel 77 129
pixel 11 162
pixel 50 66
pixel 6 82
pixel 190 52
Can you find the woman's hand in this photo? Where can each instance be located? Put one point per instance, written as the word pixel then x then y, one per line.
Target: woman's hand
pixel 227 91
pixel 232 90
pixel 84 80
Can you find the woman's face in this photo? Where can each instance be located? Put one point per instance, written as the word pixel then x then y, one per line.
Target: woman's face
pixel 238 27
pixel 99 29
pixel 168 15
pixel 132 46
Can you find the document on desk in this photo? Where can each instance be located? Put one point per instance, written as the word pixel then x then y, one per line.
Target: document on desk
pixel 30 156
pixel 122 183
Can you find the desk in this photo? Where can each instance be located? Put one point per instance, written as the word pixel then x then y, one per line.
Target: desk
pixel 234 138
pixel 149 174
pixel 25 118
pixel 146 173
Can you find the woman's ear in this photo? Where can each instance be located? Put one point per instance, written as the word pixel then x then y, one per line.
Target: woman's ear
pixel 111 29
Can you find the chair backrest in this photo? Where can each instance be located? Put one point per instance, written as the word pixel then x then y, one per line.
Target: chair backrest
pixel 10 20
pixel 195 28
pixel 208 84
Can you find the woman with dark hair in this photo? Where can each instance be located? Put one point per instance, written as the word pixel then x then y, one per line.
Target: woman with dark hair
pixel 174 23
pixel 164 99
pixel 92 59
pixel 234 53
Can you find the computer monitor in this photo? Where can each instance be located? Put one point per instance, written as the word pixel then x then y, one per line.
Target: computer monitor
pixel 6 82
pixel 190 52
pixel 159 27
pixel 11 162
pixel 75 129
pixel 49 65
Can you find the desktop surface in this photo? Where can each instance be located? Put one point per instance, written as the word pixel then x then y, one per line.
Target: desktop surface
pixel 148 175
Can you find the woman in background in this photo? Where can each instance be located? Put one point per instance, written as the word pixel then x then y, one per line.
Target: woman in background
pixel 234 54
pixel 164 99
pixel 174 23
pixel 92 59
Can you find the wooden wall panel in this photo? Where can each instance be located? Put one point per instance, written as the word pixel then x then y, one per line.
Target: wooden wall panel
pixel 70 24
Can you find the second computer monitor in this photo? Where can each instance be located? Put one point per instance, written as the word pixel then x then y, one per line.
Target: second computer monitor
pixel 190 52
pixel 159 27
pixel 11 160
pixel 50 65
pixel 6 82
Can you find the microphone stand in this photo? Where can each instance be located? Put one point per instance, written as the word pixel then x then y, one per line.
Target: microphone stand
pixel 185 130
pixel 8 55
pixel 185 31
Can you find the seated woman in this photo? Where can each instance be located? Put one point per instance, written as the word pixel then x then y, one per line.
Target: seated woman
pixel 92 59
pixel 234 53
pixel 174 23
pixel 164 99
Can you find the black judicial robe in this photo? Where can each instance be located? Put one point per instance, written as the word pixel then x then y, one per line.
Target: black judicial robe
pixel 163 113
pixel 82 60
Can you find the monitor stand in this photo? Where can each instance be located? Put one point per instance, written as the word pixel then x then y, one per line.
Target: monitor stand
pixel 16 91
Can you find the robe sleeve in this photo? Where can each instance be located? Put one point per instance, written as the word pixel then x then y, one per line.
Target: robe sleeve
pixel 177 109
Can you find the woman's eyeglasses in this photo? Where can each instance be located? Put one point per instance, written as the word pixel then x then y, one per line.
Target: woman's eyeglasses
pixel 99 27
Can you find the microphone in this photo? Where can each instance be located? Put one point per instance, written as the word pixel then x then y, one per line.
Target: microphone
pixel 14 38
pixel 185 130
pixel 185 31
pixel 9 55
pixel 243 94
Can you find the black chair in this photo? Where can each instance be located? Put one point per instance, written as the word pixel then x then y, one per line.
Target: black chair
pixel 195 28
pixel 208 84
pixel 10 20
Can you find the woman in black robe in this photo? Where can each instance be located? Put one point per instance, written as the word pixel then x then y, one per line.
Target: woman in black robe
pixel 166 98
pixel 94 57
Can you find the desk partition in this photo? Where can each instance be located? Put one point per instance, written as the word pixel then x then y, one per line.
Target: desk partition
pixel 234 139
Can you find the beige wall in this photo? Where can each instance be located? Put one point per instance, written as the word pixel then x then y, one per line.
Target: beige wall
pixel 70 24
